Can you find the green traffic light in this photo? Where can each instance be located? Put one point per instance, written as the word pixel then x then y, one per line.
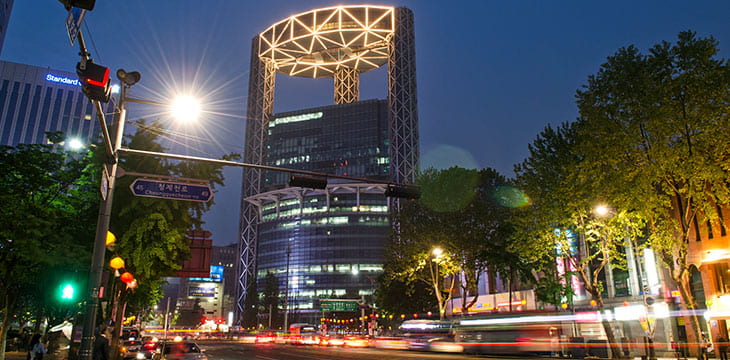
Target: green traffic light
pixel 67 293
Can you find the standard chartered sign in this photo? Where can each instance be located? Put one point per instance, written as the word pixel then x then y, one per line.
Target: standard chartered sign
pixel 62 80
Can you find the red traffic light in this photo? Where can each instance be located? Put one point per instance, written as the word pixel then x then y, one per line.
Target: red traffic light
pixel 94 81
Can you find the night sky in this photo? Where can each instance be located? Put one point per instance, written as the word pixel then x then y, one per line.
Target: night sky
pixel 491 74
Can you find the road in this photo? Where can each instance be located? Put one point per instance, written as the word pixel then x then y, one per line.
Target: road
pixel 237 351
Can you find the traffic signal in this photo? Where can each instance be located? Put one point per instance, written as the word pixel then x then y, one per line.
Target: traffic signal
pixel 67 291
pixel 308 182
pixel 81 4
pixel 94 81
pixel 403 191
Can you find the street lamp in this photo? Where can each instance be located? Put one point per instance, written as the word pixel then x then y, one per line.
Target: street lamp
pixel 601 210
pixel 127 79
pixel 185 108
pixel 437 252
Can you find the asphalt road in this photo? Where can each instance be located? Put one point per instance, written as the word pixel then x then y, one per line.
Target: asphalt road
pixel 238 351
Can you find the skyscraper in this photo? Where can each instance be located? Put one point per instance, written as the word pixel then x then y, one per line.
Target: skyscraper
pixel 35 100
pixel 6 7
pixel 326 243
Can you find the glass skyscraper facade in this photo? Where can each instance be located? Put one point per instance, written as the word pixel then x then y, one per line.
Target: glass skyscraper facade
pixel 325 243
pixel 35 100
pixel 347 139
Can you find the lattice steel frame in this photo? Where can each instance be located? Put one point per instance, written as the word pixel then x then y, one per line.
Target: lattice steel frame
pixel 402 100
pixel 260 108
pixel 318 42
pixel 322 43
pixel 347 85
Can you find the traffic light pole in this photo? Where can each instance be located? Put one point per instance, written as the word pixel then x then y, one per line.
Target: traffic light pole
pixel 102 227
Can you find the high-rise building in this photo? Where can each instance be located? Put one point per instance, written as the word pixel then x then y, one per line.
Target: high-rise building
pixel 35 100
pixel 225 258
pixel 330 242
pixel 326 243
pixel 6 7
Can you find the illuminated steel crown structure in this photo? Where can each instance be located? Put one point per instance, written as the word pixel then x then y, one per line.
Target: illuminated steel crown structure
pixel 340 43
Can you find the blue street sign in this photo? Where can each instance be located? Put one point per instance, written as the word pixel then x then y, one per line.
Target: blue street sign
pixel 73 23
pixel 171 190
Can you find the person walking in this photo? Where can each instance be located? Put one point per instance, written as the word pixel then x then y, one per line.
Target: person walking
pixel 722 347
pixel 101 344
pixel 36 348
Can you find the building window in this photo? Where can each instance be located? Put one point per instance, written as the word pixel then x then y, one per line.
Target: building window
pixel 722 277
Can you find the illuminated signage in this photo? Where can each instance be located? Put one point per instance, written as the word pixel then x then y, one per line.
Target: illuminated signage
pixel 62 80
pixel 295 118
pixel 206 290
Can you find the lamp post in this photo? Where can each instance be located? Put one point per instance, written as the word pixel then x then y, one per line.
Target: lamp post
pixel 102 223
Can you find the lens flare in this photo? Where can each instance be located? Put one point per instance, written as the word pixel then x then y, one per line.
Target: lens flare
pixel 511 197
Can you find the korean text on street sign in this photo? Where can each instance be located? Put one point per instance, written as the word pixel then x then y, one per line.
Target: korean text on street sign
pixel 338 306
pixel 73 23
pixel 171 190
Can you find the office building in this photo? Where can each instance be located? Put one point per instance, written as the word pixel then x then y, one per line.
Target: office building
pixel 6 7
pixel 326 243
pixel 329 241
pixel 35 100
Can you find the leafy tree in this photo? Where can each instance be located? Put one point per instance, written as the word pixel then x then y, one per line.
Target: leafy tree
pixel 655 135
pixel 559 219
pixel 464 213
pixel 47 226
pixel 395 296
pixel 152 231
pixel 270 300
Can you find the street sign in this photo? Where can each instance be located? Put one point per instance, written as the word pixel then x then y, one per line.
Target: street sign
pixel 171 190
pixel 73 23
pixel 338 306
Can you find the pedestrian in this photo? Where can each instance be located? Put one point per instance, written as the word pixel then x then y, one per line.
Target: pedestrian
pixel 101 344
pixel 722 347
pixel 37 348
pixel 703 348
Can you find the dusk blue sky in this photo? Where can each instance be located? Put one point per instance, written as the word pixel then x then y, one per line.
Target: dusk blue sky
pixel 491 74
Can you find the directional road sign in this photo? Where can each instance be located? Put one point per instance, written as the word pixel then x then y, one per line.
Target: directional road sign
pixel 338 306
pixel 171 190
pixel 73 23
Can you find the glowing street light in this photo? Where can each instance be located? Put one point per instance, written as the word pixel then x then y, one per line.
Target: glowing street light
pixel 601 210
pixel 437 252
pixel 75 144
pixel 185 108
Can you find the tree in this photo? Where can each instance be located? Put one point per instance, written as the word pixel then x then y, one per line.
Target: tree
pixel 270 300
pixel 655 134
pixel 48 212
pixel 152 231
pixel 463 212
pixel 559 222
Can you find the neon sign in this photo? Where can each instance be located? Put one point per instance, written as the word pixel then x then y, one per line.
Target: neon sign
pixel 62 80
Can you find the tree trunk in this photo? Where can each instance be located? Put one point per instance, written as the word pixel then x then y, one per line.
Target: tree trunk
pixel 4 327
pixel 121 304
pixel 610 337
pixel 689 301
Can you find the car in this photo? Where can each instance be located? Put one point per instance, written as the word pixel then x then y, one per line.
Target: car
pixel 180 350
pixel 265 337
pixel 357 341
pixel 130 349
pixel 331 340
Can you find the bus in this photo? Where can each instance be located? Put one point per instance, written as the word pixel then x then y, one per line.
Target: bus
pixel 303 334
